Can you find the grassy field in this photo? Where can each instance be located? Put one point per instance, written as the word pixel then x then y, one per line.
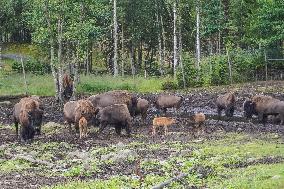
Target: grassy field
pixel 13 84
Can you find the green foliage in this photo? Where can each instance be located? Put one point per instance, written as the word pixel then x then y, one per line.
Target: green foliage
pixel 32 66
pixel 215 69
pixel 169 85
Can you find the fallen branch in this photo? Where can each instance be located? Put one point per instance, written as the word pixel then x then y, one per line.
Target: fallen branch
pixel 167 182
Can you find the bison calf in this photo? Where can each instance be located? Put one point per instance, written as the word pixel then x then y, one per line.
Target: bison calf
pixel 83 127
pixel 199 120
pixel 226 102
pixel 116 115
pixel 162 122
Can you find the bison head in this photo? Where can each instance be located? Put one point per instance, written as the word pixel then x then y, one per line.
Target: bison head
pixel 249 108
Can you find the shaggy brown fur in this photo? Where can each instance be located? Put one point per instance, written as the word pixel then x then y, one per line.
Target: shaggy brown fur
pixel 226 102
pixel 75 110
pixel 83 127
pixel 258 105
pixel 199 120
pixel 115 97
pixel 28 106
pixel 162 122
pixel 116 115
pixel 67 84
pixel 168 101
pixel 142 108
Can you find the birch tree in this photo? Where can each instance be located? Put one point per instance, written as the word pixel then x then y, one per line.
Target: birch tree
pixel 175 37
pixel 115 65
pixel 198 35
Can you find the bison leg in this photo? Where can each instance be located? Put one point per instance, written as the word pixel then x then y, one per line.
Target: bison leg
pixel 166 130
pixel 128 129
pixel 17 129
pixel 219 110
pixel 77 127
pixel 118 129
pixel 102 127
pixel 164 111
pixel 153 130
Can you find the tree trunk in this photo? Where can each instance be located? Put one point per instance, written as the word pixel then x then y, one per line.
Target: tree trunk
pixel 115 65
pixel 198 37
pixel 180 57
pixel 175 39
pixel 60 66
pixel 123 52
pixel 164 44
pixel 132 60
pixel 51 41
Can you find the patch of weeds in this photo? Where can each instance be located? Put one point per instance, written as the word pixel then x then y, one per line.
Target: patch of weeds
pixel 8 166
pixel 76 171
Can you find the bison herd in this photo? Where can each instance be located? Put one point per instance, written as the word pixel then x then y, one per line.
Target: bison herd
pixel 118 109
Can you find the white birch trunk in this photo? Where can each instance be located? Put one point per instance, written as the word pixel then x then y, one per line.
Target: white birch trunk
pixel 24 75
pixel 123 52
pixel 53 71
pixel 60 68
pixel 198 36
pixel 115 65
pixel 180 58
pixel 175 39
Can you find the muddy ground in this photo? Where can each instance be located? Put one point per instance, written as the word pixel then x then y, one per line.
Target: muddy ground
pixel 198 100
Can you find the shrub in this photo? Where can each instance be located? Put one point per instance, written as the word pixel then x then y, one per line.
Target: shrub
pixel 32 66
pixel 169 85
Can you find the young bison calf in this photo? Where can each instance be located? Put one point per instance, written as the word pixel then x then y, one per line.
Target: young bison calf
pixel 162 122
pixel 83 126
pixel 198 119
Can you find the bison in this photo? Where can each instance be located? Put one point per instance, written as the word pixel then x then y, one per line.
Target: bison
pixel 67 84
pixel 74 110
pixel 116 115
pixel 28 112
pixel 142 108
pixel 199 120
pixel 226 102
pixel 168 101
pixel 262 106
pixel 115 97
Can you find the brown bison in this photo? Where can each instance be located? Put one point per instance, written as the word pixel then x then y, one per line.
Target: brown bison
pixel 67 84
pixel 226 102
pixel 262 106
pixel 116 115
pixel 168 101
pixel 115 97
pixel 28 112
pixel 142 108
pixel 74 110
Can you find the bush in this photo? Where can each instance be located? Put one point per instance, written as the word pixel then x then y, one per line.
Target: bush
pixel 31 66
pixel 214 70
pixel 169 85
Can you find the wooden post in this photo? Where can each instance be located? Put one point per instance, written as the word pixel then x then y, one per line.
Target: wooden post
pixel 24 75
pixel 266 69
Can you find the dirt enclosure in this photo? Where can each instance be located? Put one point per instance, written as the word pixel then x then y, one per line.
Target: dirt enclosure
pixel 58 156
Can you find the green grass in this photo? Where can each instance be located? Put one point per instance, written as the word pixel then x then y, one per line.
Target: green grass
pixel 13 84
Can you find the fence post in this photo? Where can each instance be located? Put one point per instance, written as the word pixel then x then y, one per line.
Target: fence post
pixel 24 74
pixel 266 69
pixel 230 67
